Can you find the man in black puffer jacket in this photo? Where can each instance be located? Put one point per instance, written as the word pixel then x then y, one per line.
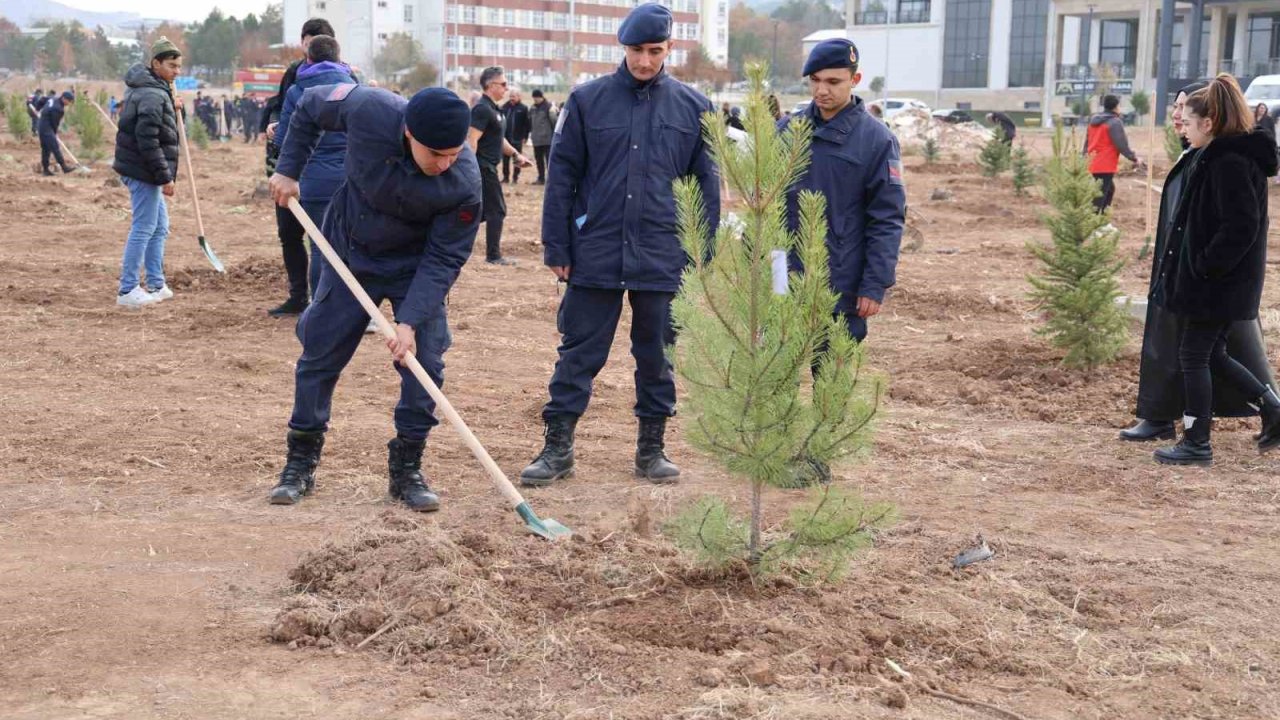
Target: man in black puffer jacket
pixel 147 161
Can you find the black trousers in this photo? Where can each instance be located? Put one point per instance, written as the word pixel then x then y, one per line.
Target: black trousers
pixel 49 146
pixel 1203 354
pixel 1103 201
pixel 495 211
pixel 587 321
pixel 508 161
pixel 540 155
pixel 293 246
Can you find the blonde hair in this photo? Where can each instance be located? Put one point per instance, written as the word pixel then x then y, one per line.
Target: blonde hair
pixel 1223 103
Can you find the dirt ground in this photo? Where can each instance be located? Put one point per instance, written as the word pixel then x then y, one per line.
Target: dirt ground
pixel 143 575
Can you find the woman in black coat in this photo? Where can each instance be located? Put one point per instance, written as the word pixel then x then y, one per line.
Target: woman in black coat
pixel 1160 396
pixel 1212 268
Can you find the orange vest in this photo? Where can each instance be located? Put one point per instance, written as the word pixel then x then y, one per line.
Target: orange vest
pixel 1104 158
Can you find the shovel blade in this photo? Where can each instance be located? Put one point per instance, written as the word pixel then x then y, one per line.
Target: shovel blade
pixel 208 253
pixel 545 528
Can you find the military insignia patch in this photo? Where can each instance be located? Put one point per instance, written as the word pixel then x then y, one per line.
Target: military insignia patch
pixel 340 92
pixel 853 55
pixel 895 172
pixel 467 213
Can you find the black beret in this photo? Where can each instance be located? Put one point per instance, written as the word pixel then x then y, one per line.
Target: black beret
pixel 438 119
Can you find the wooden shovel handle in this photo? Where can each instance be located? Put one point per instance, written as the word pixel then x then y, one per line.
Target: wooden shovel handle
pixel 384 326
pixel 191 174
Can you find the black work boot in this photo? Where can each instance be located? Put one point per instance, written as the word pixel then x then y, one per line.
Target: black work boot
pixel 299 473
pixel 1193 448
pixel 652 463
pixel 1145 430
pixel 1269 408
pixel 404 465
pixel 292 306
pixel 556 459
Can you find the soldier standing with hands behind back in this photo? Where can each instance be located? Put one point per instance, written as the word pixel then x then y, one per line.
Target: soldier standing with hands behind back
pixel 609 230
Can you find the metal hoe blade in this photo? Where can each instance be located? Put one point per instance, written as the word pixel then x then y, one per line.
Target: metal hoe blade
pixel 542 527
pixel 208 252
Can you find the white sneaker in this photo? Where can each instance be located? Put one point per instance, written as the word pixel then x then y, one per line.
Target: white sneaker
pixel 135 298
pixel 372 327
pixel 164 293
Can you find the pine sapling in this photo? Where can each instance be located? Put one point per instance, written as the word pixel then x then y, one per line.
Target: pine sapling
pixel 1024 171
pixel 198 134
pixel 931 151
pixel 994 157
pixel 15 113
pixel 1077 286
pixel 1172 143
pixel 746 354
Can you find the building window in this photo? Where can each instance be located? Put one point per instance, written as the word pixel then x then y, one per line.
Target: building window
pixel 451 14
pixel 382 36
pixel 1263 44
pixel 320 6
pixel 408 13
pixel 1026 43
pixel 508 16
pixel 469 14
pixel 917 11
pixel 382 4
pixel 559 21
pixel 965 44
pixel 1119 43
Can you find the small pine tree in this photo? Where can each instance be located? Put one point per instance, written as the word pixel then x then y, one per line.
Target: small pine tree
pixel 88 126
pixel 1024 171
pixel 1172 143
pixel 931 151
pixel 744 351
pixel 994 157
pixel 1078 286
pixel 1141 103
pixel 15 113
pixel 198 134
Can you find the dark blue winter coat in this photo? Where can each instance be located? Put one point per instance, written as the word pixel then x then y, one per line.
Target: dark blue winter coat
pixel 323 173
pixel 388 219
pixel 856 165
pixel 609 210
pixel 51 116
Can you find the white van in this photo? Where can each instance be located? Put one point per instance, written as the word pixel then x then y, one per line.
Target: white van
pixel 1265 89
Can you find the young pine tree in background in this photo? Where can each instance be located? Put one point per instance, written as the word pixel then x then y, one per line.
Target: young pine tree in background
pixel 930 151
pixel 198 133
pixel 994 157
pixel 1024 171
pixel 746 353
pixel 15 113
pixel 1172 143
pixel 1077 287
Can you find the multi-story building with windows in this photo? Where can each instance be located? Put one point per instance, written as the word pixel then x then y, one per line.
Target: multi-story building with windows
pixel 1041 54
pixel 540 42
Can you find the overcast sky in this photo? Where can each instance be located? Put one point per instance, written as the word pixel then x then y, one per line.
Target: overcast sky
pixel 187 10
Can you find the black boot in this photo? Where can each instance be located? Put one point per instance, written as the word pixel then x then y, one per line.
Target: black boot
pixel 292 306
pixel 404 464
pixel 652 463
pixel 1269 438
pixel 1144 430
pixel 1193 448
pixel 556 459
pixel 299 473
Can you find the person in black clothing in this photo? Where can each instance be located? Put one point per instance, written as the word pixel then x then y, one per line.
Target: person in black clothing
pixel 735 119
pixel 1160 397
pixel 50 119
pixel 488 141
pixel 1007 126
pixel 293 243
pixel 1213 270
pixel 1263 120
pixel 542 124
pixel 516 120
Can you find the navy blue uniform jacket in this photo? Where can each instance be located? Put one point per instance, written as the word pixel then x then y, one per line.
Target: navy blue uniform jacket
pixel 857 167
pixel 51 116
pixel 388 219
pixel 609 209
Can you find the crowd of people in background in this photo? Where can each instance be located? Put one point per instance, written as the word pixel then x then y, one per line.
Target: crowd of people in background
pixel 226 117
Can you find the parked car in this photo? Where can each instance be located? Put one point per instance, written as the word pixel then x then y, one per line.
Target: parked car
pixel 1264 89
pixel 892 106
pixel 799 107
pixel 952 116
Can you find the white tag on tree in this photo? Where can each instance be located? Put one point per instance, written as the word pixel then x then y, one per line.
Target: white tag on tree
pixel 779 258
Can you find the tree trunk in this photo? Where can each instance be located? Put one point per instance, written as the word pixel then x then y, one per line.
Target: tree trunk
pixel 753 546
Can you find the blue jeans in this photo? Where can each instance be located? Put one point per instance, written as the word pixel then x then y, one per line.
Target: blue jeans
pixel 145 245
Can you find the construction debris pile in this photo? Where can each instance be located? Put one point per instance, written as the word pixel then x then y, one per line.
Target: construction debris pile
pixel 914 127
